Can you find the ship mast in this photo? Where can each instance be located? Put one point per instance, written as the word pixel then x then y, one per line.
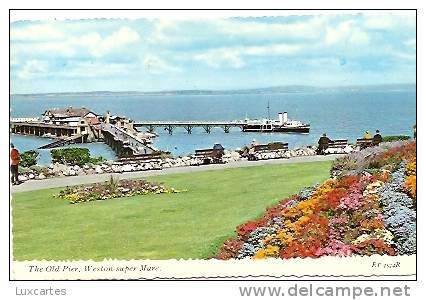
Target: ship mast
pixel 269 114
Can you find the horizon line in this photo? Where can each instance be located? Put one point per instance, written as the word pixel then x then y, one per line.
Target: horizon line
pixel 222 90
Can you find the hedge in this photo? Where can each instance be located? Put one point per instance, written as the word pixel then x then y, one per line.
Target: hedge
pixel 29 158
pixel 394 138
pixel 74 156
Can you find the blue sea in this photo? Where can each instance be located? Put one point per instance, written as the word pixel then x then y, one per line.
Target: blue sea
pixel 340 114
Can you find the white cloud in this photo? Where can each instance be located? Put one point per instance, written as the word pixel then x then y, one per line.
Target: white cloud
pixel 411 44
pixel 346 32
pixel 233 56
pixel 389 21
pixel 98 46
pixel 154 65
pixel 301 29
pixel 37 32
pixel 400 55
pixel 32 68
pixel 178 31
pixel 93 70
pixel 68 45
pixel 220 57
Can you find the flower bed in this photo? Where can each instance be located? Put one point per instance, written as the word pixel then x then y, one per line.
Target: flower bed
pixel 387 155
pixel 362 214
pixel 113 189
pixel 410 185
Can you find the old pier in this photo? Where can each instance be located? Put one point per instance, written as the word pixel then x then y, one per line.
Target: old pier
pixel 80 125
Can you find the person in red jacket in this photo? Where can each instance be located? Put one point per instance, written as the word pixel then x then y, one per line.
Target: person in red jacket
pixel 15 159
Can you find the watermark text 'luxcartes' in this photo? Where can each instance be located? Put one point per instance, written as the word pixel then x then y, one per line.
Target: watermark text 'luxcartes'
pixel 40 291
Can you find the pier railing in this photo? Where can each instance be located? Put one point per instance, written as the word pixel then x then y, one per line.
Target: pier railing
pixel 188 125
pixel 29 120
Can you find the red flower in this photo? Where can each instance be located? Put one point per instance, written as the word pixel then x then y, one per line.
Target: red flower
pixel 245 229
pixel 230 249
pixel 375 246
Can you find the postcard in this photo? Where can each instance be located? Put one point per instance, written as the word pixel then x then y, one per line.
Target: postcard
pixel 214 145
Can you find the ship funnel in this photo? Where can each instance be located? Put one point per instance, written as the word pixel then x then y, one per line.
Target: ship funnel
pixel 280 118
pixel 284 117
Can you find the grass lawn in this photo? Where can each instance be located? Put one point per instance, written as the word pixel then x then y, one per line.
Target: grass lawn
pixel 192 224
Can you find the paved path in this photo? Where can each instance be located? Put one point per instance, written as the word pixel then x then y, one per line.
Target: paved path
pixel 32 185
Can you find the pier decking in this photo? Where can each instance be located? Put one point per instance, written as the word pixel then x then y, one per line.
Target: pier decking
pixel 65 141
pixel 124 143
pixel 188 125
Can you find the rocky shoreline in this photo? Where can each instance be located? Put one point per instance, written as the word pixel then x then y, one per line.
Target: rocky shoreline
pixel 61 170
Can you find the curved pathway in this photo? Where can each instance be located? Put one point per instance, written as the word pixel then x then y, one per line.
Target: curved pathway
pixel 32 185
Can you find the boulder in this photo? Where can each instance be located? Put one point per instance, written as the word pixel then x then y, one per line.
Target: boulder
pixel 99 170
pixel 109 162
pixel 194 162
pixel 31 176
pixel 41 176
pixel 90 171
pixel 22 178
pixel 116 169
pixel 127 168
pixel 59 168
pixel 71 172
pixel 348 149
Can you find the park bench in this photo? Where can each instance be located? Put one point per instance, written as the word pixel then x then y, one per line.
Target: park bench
pixel 267 148
pixel 340 144
pixel 364 143
pixel 209 156
pixel 152 157
pixel 335 145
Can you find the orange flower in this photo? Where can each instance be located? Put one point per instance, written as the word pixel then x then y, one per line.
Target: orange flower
pixel 410 186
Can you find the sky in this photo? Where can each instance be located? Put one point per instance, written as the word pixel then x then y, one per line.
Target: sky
pixel 223 53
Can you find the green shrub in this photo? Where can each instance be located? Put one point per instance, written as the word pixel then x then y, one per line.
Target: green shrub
pixel 394 138
pixel 29 158
pixel 22 170
pixel 96 160
pixel 37 168
pixel 73 156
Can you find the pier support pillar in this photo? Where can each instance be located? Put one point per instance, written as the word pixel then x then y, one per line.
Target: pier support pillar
pixel 188 128
pixel 207 128
pixel 226 128
pixel 169 128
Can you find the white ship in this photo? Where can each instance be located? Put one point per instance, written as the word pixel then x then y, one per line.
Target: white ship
pixel 282 124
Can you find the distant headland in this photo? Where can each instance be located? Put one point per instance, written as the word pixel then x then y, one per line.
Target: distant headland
pixel 264 90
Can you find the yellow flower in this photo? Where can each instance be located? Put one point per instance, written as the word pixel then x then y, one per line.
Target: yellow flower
pixel 261 253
